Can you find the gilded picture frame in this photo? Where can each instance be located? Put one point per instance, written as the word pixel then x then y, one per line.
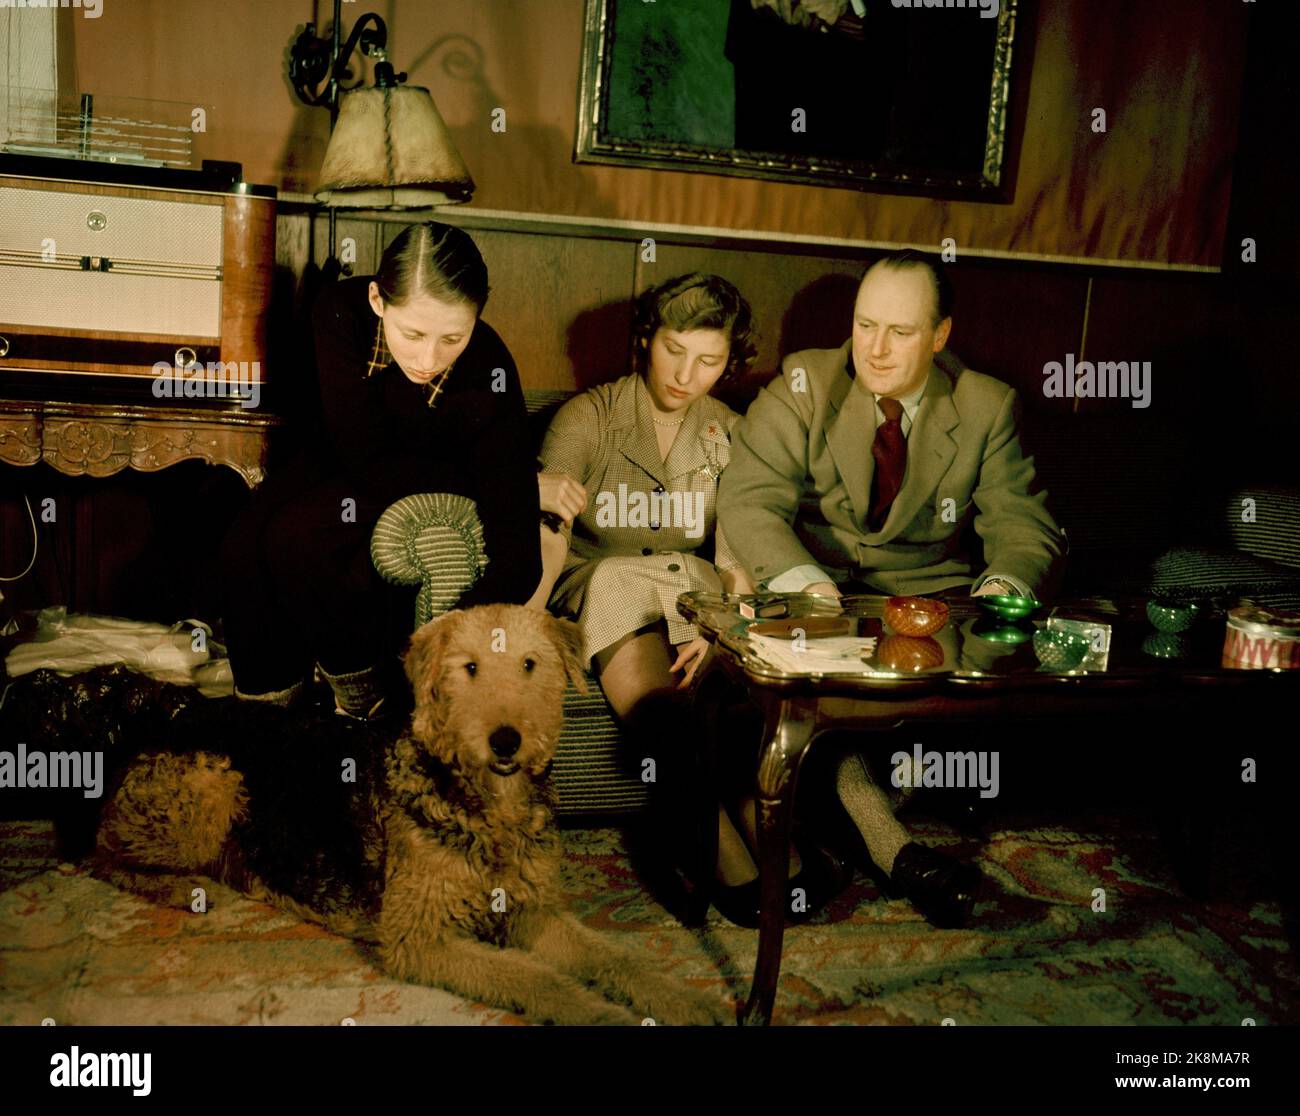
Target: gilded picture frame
pixel 711 86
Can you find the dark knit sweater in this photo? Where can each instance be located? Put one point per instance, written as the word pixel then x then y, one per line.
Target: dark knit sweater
pixel 474 440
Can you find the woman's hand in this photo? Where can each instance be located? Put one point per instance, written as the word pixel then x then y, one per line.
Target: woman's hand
pixel 736 580
pixel 689 658
pixel 561 495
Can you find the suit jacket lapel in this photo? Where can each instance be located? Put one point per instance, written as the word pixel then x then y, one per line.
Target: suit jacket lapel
pixel 639 445
pixel 930 450
pixel 849 433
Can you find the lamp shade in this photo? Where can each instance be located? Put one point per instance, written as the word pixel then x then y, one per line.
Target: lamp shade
pixel 390 149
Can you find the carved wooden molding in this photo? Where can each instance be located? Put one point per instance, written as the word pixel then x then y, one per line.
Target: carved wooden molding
pixel 20 439
pixel 81 439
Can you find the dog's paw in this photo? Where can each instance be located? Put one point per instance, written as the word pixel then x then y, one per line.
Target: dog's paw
pixel 613 1015
pixel 675 1006
pixel 587 1010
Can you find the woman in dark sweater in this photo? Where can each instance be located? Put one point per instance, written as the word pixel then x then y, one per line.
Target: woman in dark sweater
pixel 417 394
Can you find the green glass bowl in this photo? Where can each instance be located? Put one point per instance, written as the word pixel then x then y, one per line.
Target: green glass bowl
pixel 1167 645
pixel 1172 616
pixel 1008 608
pixel 998 631
pixel 1058 650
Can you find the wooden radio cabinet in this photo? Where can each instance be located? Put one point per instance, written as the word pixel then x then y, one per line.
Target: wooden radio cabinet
pixel 140 297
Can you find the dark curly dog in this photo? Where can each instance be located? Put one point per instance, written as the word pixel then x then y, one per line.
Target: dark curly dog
pixel 443 849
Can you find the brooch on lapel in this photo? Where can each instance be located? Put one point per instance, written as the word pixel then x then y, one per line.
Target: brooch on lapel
pixel 712 470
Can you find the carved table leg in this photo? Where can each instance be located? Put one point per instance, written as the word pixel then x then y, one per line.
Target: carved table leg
pixel 791 724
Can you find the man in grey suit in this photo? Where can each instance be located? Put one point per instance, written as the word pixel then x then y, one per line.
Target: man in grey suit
pixel 859 469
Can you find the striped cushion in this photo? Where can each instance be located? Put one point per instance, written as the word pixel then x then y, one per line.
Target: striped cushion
pixel 1183 571
pixel 590 774
pixel 1275 532
pixel 542 400
pixel 1199 572
pixel 1206 568
pixel 434 540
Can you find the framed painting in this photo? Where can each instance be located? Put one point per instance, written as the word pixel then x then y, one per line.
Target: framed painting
pixel 904 96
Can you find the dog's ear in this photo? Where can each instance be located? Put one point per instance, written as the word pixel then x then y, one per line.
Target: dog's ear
pixel 423 658
pixel 567 637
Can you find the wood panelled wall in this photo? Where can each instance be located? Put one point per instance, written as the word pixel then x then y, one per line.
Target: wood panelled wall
pixel 562 303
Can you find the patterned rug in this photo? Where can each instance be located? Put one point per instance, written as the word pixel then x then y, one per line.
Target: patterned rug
pixel 1040 951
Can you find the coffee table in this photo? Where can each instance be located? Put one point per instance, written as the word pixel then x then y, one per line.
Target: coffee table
pixel 975 668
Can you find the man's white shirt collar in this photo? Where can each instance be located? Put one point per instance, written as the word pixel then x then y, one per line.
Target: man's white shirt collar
pixel 911 403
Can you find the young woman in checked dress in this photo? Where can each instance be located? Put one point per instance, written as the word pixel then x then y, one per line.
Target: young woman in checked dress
pixel 631 468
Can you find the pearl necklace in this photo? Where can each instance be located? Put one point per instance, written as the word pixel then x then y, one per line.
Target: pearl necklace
pixel 660 422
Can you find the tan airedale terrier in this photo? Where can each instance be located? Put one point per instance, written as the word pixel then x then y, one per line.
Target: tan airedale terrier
pixel 449 858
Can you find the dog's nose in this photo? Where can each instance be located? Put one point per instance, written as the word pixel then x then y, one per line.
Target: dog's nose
pixel 504 741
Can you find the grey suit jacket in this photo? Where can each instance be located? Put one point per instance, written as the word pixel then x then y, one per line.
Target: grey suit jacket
pixel 798 485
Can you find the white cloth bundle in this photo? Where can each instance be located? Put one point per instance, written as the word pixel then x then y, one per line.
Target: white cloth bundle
pixel 70 644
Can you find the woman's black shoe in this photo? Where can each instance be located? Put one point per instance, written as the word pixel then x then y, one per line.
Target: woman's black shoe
pixel 821 877
pixel 738 904
pixel 684 803
pixel 941 888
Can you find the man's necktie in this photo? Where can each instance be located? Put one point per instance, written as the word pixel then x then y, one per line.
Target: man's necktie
pixel 890 452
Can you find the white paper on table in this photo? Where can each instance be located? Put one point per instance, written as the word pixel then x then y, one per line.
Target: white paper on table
pixel 828 655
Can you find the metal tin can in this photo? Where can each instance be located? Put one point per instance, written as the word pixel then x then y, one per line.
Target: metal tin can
pixel 1259 639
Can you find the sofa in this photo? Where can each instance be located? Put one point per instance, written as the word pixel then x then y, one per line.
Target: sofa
pixel 1159 507
pixel 1142 514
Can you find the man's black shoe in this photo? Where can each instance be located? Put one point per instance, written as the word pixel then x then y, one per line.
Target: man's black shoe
pixel 963 809
pixel 941 888
pixel 821 877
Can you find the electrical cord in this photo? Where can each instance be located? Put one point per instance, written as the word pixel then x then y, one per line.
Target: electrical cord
pixel 35 542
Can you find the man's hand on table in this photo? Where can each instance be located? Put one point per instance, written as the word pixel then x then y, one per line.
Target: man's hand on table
pixel 996 587
pixel 823 589
pixel 827 590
